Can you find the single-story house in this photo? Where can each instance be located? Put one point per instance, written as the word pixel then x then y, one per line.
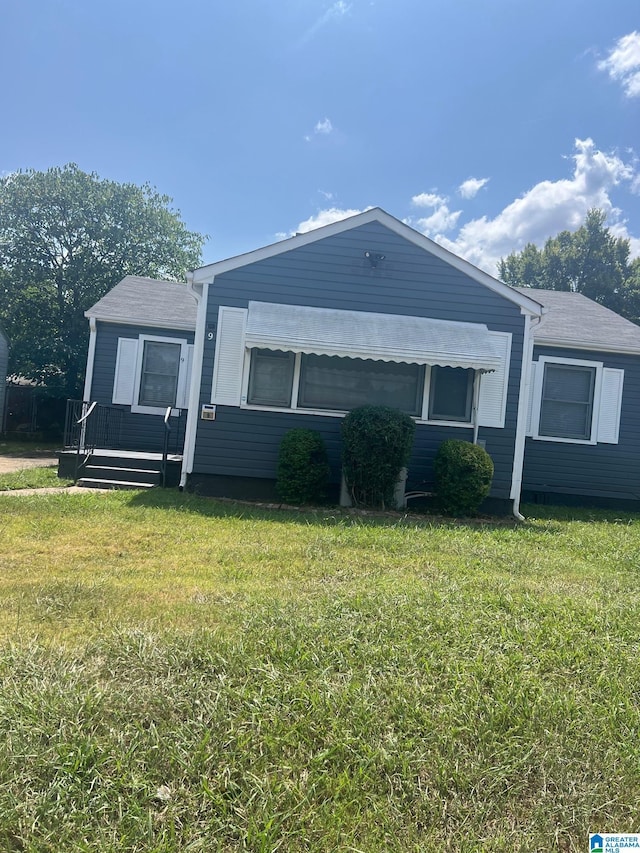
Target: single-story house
pixel 368 310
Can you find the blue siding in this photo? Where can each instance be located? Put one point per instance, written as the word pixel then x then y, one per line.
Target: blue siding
pixel 333 273
pixel 601 470
pixel 139 432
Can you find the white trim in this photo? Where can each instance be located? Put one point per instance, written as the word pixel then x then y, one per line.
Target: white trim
pixel 177 324
pixel 158 410
pixel 91 355
pixel 376 214
pixel 330 413
pixel 592 346
pixel 193 411
pixel 522 413
pixel 543 360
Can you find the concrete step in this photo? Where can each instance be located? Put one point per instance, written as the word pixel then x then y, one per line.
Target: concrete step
pixel 113 472
pixel 95 483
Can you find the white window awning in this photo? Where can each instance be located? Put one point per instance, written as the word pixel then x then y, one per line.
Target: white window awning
pixel 363 334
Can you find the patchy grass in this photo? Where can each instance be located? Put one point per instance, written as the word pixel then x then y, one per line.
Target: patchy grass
pixel 32 478
pixel 182 674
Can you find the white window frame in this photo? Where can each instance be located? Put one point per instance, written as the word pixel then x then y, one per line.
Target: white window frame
pixel 182 375
pixel 421 419
pixel 543 360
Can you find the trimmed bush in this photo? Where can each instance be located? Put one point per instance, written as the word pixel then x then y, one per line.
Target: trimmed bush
pixel 376 445
pixel 463 475
pixel 303 467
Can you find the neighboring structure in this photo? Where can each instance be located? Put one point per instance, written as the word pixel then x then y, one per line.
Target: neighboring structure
pixel 4 361
pixel 367 310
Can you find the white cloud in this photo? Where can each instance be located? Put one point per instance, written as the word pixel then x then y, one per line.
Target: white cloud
pixel 623 64
pixel 428 200
pixel 546 209
pixel 324 217
pixel 323 126
pixel 442 219
pixel 472 186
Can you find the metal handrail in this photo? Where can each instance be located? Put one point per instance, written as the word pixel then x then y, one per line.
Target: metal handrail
pixel 81 438
pixel 87 413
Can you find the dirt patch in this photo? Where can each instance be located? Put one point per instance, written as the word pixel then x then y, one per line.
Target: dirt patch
pixel 9 464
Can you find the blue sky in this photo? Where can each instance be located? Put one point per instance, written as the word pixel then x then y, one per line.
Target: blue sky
pixel 483 123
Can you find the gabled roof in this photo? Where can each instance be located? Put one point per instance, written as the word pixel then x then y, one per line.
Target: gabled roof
pixel 525 301
pixel 139 301
pixel 575 321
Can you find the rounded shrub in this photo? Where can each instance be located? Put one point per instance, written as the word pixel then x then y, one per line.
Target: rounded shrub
pixel 376 445
pixel 303 467
pixel 463 475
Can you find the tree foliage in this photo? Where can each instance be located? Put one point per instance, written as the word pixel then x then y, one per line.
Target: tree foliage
pixel 66 237
pixel 590 261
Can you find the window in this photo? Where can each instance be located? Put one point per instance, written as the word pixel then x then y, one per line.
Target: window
pixel 566 404
pixel 271 378
pixel 575 401
pixel 341 384
pixel 338 384
pixel 159 377
pixel 152 373
pixel 451 394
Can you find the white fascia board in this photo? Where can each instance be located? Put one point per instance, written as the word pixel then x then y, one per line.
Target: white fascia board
pixel 585 345
pixel 178 325
pixel 376 214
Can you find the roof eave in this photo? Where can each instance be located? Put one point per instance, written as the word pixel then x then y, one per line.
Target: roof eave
pixel 585 345
pixel 153 324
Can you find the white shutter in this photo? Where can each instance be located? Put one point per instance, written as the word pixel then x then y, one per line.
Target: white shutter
pixel 492 402
pixel 229 357
pixel 185 378
pixel 610 405
pixel 124 381
pixel 530 397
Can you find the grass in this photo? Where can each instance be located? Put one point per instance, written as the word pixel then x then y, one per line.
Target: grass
pixel 32 478
pixel 180 674
pixel 10 447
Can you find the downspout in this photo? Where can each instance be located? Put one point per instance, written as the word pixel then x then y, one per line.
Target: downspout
pixel 196 380
pixel 521 421
pixel 91 354
pixel 476 395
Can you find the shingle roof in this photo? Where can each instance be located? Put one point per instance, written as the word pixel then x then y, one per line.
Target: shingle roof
pixel 147 302
pixel 575 320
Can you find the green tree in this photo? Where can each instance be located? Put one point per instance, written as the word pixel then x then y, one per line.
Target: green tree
pixel 66 237
pixel 590 261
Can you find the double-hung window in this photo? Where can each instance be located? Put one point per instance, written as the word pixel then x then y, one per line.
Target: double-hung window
pixel 152 373
pixel 159 374
pixel 575 401
pixel 566 405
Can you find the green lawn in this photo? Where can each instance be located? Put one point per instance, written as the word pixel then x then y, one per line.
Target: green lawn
pixel 180 674
pixel 32 478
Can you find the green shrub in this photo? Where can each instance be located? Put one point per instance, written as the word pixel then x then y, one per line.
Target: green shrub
pixel 376 445
pixel 303 468
pixel 463 475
